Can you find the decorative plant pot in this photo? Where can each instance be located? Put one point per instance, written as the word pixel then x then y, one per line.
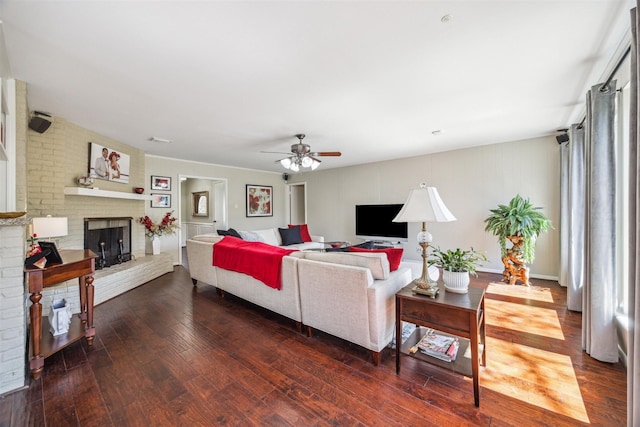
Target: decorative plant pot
pixel 456 282
pixel 155 245
pixel 59 317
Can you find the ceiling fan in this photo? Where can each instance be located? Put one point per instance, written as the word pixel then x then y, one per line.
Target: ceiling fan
pixel 301 156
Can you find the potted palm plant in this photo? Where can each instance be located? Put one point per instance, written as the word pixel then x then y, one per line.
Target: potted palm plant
pixel 456 266
pixel 521 223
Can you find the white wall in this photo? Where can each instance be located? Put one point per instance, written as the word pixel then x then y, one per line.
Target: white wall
pixel 470 182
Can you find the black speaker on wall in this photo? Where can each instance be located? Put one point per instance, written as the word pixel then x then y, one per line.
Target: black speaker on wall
pixel 39 122
pixel 562 138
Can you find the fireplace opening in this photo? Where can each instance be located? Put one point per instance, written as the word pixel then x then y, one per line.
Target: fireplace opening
pixel 110 238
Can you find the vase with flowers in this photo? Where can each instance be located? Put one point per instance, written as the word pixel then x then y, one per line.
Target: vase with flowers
pixel 154 230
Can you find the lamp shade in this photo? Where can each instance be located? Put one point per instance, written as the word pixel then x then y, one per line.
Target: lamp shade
pixel 286 162
pixel 424 205
pixel 50 226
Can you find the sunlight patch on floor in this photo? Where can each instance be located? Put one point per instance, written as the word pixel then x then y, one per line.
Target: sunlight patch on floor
pixel 522 318
pixel 526 373
pixel 536 293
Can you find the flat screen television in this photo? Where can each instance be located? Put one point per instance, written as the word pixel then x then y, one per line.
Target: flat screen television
pixel 375 222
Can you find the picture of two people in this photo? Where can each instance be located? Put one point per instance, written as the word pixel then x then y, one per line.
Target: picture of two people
pixel 108 164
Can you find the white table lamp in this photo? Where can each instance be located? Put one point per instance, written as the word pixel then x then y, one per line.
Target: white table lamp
pixel 424 205
pixel 47 227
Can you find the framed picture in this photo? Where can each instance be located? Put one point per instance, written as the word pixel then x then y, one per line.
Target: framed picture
pixel 108 164
pixel 259 200
pixel 160 182
pixel 160 200
pixel 53 255
pixel 200 203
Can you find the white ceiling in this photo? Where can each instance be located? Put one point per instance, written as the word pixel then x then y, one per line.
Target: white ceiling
pixel 373 79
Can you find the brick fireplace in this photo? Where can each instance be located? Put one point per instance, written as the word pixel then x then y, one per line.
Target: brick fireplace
pixel 109 238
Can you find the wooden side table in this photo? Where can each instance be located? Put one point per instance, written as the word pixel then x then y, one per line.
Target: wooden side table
pixel 461 315
pixel 75 264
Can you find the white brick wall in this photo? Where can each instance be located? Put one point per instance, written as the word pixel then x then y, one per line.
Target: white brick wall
pixel 22 120
pixel 12 307
pixel 56 158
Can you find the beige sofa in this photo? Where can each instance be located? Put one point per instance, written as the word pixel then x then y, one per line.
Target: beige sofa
pixel 346 294
pixel 285 301
pixel 350 295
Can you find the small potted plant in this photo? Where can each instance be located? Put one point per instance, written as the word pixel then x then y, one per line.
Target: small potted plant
pixel 521 223
pixel 456 266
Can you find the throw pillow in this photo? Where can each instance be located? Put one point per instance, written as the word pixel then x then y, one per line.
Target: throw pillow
pixel 304 232
pixel 229 232
pixel 269 236
pixel 251 236
pixel 394 255
pixel 290 236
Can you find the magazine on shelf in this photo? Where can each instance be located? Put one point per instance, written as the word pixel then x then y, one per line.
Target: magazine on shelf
pixel 443 347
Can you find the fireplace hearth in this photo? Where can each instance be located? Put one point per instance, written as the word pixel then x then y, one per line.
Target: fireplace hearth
pixel 110 238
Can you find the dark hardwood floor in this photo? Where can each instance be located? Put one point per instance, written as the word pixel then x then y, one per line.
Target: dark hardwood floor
pixel 169 354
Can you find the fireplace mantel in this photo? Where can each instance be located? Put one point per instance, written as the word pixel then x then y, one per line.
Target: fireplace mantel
pixel 92 192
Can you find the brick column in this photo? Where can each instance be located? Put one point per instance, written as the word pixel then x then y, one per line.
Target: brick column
pixel 12 305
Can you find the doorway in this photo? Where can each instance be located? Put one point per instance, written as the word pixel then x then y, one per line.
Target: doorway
pixel 196 220
pixel 297 203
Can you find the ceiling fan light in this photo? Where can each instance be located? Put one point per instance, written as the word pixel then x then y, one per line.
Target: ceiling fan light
pixel 294 167
pixel 314 164
pixel 286 162
pixel 307 162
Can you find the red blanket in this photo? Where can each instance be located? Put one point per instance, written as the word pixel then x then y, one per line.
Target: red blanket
pixel 256 259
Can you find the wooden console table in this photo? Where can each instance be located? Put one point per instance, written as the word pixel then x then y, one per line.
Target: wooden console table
pixel 461 315
pixel 75 264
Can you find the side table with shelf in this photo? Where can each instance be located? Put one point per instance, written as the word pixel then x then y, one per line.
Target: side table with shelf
pixel 461 315
pixel 78 264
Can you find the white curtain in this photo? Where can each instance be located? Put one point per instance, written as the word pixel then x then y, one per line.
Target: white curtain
pixel 633 352
pixel 572 216
pixel 563 278
pixel 588 218
pixel 599 337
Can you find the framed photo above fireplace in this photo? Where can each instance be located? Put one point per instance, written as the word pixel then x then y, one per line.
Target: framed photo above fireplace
pixel 160 200
pixel 259 200
pixel 160 182
pixel 108 164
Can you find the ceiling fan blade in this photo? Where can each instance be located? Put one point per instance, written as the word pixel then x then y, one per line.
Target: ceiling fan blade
pixel 317 160
pixel 328 153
